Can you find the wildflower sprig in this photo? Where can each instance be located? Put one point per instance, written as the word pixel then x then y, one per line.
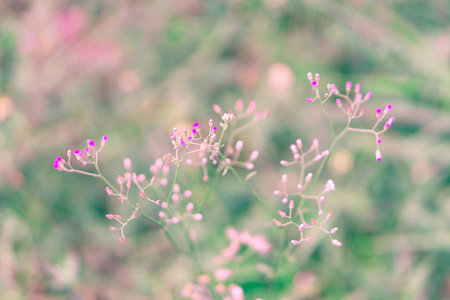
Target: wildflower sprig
pixel 352 108
pixel 295 217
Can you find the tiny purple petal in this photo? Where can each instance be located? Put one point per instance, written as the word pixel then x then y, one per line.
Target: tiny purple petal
pixel 92 144
pixel 56 166
pixel 314 83
pixel 59 158
pixel 379 141
pixel 378 111
pixel 196 125
pixel 104 138
pixel 214 128
pixel 77 152
pixel 308 100
pixel 194 131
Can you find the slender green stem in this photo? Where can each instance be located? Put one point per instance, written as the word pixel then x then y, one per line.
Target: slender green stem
pixel 249 188
pixel 176 177
pixel 333 131
pixel 325 160
pixel 208 193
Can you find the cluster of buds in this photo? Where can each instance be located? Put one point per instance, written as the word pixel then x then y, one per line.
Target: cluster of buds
pixel 88 156
pixel 161 169
pixel 122 221
pixel 208 148
pixel 257 243
pixel 232 159
pixel 351 107
pixel 305 159
pixel 201 290
pixel 175 207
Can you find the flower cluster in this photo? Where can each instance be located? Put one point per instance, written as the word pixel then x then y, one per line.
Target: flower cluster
pixel 202 289
pixel 351 107
pixel 256 243
pixel 304 159
pixel 90 156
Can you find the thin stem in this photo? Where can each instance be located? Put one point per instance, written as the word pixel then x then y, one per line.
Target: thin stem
pixel 249 188
pixel 176 177
pixel 82 172
pixel 325 160
pixel 328 118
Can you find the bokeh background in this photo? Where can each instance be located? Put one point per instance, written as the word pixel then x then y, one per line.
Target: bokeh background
pixel 132 70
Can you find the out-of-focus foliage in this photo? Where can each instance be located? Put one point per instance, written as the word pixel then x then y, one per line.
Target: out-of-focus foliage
pixel 71 70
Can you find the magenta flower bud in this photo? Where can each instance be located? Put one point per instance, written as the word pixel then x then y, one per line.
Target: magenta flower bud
pixel 388 108
pixel 198 217
pixel 338 102
pixel 378 155
pixel 314 84
pixel 368 96
pixel 283 163
pixel 239 145
pixel 254 155
pixel 91 144
pixel 282 214
pixel 378 112
pixel 379 141
pixel 112 229
pixel 196 125
pixel 333 230
pixel 56 165
pixel 308 100
pixel 348 86
pixel 295 242
pixel 110 216
pixel 357 87
pixel 337 243
pixel 317 76
pixel 291 205
pixel 217 109
pixel 104 139
pixel 310 76
pixel 294 149
pixel 358 97
pixel 214 128
pixel 301 227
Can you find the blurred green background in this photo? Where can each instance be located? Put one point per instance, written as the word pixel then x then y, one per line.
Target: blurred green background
pixel 132 70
